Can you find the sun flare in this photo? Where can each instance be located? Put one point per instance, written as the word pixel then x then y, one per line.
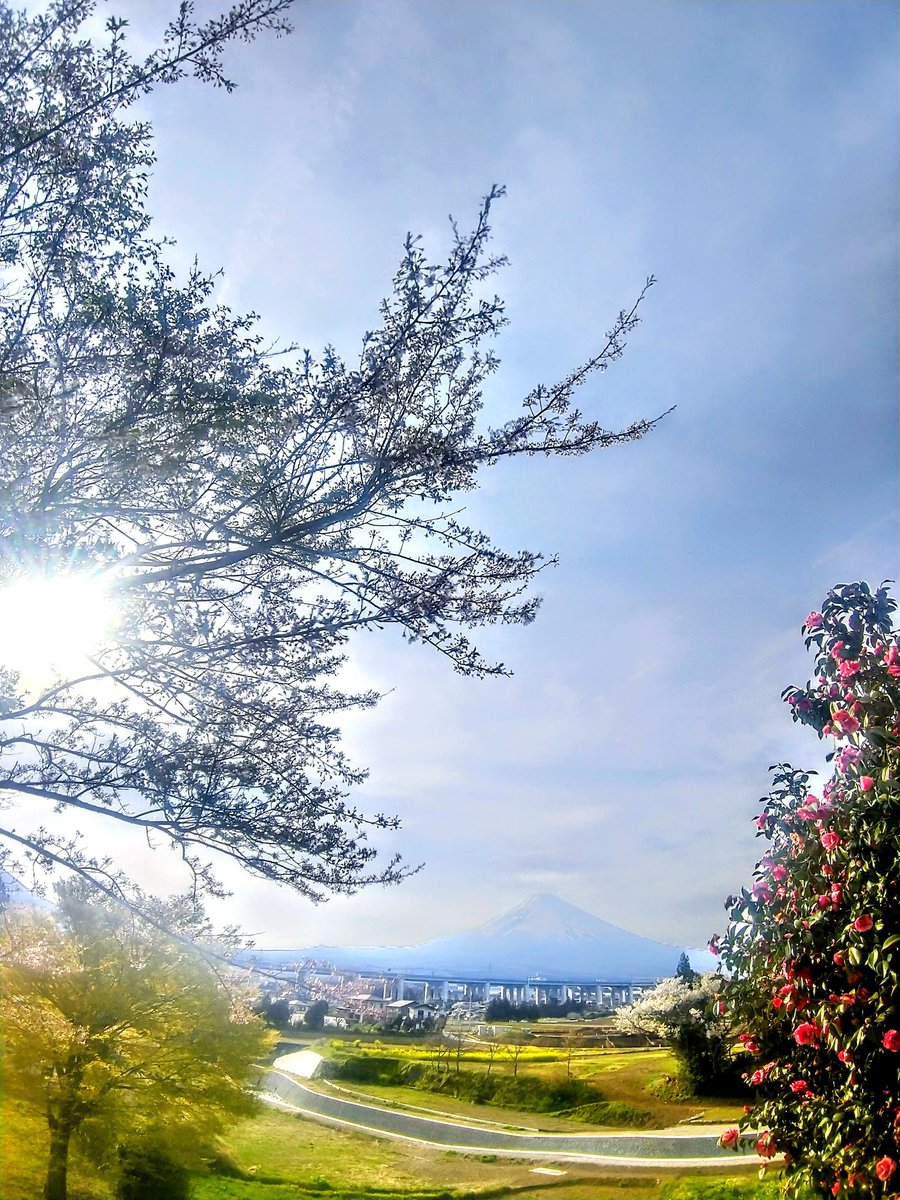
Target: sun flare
pixel 52 624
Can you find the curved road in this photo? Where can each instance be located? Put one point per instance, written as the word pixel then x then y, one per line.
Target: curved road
pixel 672 1150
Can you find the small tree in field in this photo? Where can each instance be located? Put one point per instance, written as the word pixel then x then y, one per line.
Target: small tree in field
pixel 689 1017
pixel 814 944
pixel 125 1039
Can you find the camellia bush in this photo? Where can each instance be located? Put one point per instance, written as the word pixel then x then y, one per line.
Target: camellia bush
pixel 813 946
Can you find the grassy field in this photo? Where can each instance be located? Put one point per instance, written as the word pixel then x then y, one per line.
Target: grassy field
pixel 622 1075
pixel 278 1156
pixel 303 1156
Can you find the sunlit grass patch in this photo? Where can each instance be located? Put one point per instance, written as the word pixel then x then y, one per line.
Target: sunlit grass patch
pixel 24 1147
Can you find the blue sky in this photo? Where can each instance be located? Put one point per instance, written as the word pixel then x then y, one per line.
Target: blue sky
pixel 745 154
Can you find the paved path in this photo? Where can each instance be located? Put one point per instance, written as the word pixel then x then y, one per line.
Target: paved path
pixel 670 1149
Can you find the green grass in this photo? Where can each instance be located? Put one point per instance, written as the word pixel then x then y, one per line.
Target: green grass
pixel 621 1075
pixel 281 1157
pixel 277 1156
pixel 24 1146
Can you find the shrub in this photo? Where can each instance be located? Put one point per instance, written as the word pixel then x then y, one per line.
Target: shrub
pixel 609 1112
pixel 814 943
pixel 365 1068
pixel 668 1087
pixel 149 1174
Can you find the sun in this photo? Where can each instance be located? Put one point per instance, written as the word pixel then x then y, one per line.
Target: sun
pixel 50 625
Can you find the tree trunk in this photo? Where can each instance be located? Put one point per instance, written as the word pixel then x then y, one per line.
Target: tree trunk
pixel 57 1167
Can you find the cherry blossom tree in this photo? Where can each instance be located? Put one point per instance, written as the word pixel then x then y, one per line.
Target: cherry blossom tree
pixel 248 512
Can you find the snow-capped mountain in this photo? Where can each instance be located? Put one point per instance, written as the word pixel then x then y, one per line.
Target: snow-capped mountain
pixel 543 937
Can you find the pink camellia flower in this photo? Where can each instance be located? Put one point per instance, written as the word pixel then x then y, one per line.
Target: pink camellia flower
pixel 758 1077
pixel 813 621
pixel 891 1040
pixel 807 1034
pixel 799 1086
pixel 729 1139
pixel 830 840
pixel 892 661
pixel 761 891
pixel 837 958
pixel 863 924
pixel 884 1168
pixel 845 1056
pixel 765 1145
pixel 848 668
pixel 779 872
pixel 845 722
pixel 847 756
pixel 866 782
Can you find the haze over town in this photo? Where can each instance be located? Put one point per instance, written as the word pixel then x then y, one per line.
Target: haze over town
pixel 746 156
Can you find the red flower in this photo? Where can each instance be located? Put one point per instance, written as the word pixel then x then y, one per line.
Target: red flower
pixel 807 1034
pixel 891 1040
pixel 813 621
pixel 865 782
pixel 838 958
pixel 799 1086
pixel 761 891
pixel 729 1139
pixel 845 1056
pixel 844 722
pixel 758 1077
pixel 779 873
pixel 884 1168
pixel 830 839
pixel 863 924
pixel 765 1145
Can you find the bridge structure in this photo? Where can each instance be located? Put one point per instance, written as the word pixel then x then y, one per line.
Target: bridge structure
pixel 446 987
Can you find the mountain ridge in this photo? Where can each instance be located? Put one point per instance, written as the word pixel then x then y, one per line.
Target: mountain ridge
pixel 542 936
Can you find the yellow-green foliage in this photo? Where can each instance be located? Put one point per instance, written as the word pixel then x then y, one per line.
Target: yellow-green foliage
pixel 119 1037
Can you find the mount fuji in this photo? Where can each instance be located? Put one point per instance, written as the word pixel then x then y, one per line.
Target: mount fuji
pixel 544 937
